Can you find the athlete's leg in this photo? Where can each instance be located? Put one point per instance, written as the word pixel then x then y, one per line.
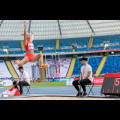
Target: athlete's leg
pixel 22 62
pixel 37 57
pixel 40 58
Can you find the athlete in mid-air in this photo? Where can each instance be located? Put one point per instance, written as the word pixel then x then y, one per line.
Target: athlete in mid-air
pixel 29 56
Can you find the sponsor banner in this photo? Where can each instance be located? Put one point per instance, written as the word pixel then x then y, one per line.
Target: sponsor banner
pixel 112 75
pixel 57 79
pixel 69 81
pixel 76 78
pixel 96 80
pixel 94 51
pixel 114 50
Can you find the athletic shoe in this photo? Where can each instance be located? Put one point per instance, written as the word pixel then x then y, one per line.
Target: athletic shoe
pixel 79 94
pixel 15 62
pixel 21 92
pixel 44 66
pixel 84 94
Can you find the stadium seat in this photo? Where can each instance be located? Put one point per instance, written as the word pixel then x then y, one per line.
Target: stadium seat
pixel 115 39
pixel 10 44
pixel 81 49
pixel 46 43
pixel 68 42
pixel 99 40
pixel 113 47
pixel 112 65
pixel 2 53
pixel 93 61
pixel 17 52
pixel 96 48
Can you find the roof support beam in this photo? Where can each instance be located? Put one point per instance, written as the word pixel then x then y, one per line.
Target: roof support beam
pixel 29 26
pixel 59 27
pixel 1 23
pixel 90 27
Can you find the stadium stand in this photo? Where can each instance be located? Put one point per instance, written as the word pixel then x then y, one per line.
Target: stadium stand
pixel 99 40
pixel 46 43
pixel 112 65
pixel 81 42
pixel 4 72
pixel 11 44
pixel 93 61
pixel 113 47
pixel 16 52
pixel 2 53
pixel 47 32
pixel 81 49
pixel 10 29
pixel 115 39
pixel 96 48
pixel 45 29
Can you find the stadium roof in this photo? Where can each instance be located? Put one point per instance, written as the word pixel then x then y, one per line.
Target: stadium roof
pixel 57 29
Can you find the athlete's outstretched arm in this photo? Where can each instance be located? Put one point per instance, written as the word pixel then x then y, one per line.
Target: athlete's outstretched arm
pixel 32 37
pixel 25 34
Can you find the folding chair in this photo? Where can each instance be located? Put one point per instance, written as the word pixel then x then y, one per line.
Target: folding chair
pixel 28 89
pixel 90 86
